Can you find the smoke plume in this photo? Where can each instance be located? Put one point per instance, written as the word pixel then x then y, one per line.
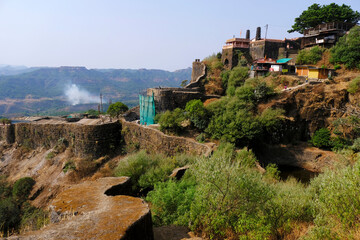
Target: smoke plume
pixel 75 95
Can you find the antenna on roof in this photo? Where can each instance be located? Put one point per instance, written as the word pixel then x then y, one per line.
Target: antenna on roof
pixel 267 26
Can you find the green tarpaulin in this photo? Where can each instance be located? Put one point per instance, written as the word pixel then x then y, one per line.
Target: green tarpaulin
pixel 147 109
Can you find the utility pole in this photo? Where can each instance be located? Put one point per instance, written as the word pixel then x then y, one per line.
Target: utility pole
pixel 101 105
pixel 266 26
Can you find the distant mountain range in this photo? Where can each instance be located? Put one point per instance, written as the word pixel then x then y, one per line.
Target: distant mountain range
pixel 28 91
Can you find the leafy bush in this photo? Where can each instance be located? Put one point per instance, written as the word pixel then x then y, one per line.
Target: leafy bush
pixel 171 120
pixel 233 121
pixel 145 169
pixel 347 49
pixel 311 56
pixel 171 201
pixel 237 77
pixel 233 198
pixel 321 138
pixel 354 85
pixel 116 109
pixel 33 218
pixel 9 215
pixel 337 204
pixel 50 155
pixel 201 137
pixel 197 113
pixel 22 189
pixel 69 165
pixel 356 145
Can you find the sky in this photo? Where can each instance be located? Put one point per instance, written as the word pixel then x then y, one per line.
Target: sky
pixel 152 34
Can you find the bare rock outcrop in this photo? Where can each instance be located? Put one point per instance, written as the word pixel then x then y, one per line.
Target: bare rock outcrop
pixel 84 211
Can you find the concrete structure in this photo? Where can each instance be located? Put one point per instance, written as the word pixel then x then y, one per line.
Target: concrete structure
pixel 325 35
pixel 234 49
pixel 314 72
pixel 274 48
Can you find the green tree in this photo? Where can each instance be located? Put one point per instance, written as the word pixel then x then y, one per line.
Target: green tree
pixel 22 189
pixel 317 14
pixel 9 215
pixel 347 49
pixel 321 138
pixel 172 120
pixel 197 113
pixel 116 109
pixel 93 112
pixel 311 56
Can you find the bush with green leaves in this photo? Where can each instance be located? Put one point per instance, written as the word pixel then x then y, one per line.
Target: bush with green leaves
pixel 347 49
pixel 354 85
pixel 237 77
pixel 9 215
pixel 356 145
pixel 197 113
pixel 116 109
pixel 171 201
pixel 336 203
pixel 311 56
pixel 22 189
pixel 234 121
pixel 321 138
pixel 145 169
pixel 171 121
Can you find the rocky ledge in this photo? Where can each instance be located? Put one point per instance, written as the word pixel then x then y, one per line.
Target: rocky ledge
pixel 96 210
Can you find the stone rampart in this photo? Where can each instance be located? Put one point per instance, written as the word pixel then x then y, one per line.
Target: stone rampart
pixel 93 140
pixel 153 140
pixel 7 133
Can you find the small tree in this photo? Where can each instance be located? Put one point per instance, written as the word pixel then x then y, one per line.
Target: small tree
pixel 116 109
pixel 321 138
pixel 197 113
pixel 22 189
pixel 347 49
pixel 171 121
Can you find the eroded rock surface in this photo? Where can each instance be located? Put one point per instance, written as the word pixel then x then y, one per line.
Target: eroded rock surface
pixel 84 211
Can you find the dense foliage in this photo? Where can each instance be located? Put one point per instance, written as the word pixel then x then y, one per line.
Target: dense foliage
pixel 234 118
pixel 223 195
pixel 347 49
pixel 145 170
pixel 116 109
pixel 171 121
pixel 15 211
pixel 321 138
pixel 311 56
pixel 317 14
pixel 354 85
pixel 197 113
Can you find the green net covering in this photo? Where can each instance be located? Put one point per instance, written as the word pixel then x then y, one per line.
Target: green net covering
pixel 147 109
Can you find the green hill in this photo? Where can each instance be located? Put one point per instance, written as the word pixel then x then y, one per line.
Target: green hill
pixel 43 89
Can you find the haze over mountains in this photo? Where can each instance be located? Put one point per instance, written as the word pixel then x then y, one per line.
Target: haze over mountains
pixel 29 91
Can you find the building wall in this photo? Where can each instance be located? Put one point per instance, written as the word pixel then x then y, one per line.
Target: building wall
pixel 171 98
pixel 300 71
pixel 230 56
pixel 314 73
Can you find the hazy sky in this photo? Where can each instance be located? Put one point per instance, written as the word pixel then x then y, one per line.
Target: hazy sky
pixel 160 34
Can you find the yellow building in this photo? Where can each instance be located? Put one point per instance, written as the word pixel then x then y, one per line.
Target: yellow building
pixel 313 72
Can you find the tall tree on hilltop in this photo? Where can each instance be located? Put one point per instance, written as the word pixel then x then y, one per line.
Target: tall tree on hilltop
pixel 317 14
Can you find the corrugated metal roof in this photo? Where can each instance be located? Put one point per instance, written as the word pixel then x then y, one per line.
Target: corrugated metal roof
pixel 283 60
